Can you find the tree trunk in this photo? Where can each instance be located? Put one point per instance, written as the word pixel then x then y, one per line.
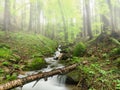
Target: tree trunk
pixel 25 80
pixel 111 15
pixel 88 19
pixel 64 23
pixel 84 21
pixel 7 15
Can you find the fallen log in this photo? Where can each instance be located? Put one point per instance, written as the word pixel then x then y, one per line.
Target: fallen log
pixel 25 80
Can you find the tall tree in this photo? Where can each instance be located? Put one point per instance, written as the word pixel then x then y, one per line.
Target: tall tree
pixel 64 23
pixel 111 15
pixel 87 18
pixel 31 15
pixel 7 15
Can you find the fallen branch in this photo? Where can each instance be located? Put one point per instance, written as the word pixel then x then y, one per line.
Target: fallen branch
pixel 25 80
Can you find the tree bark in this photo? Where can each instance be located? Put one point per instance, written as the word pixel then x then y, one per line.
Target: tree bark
pixel 25 80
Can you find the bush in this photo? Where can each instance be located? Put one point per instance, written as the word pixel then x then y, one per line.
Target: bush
pixel 5 53
pixel 1 71
pixel 79 49
pixel 37 64
pixel 11 77
pixel 5 63
pixel 117 62
pixel 115 51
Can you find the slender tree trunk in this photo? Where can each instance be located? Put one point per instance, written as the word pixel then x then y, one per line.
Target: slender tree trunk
pixel 88 18
pixel 84 21
pixel 105 21
pixel 31 17
pixel 23 17
pixel 64 23
pixel 7 15
pixel 38 15
pixel 14 17
pixel 111 15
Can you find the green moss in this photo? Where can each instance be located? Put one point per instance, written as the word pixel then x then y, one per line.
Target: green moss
pixel 75 75
pixel 37 64
pixel 79 49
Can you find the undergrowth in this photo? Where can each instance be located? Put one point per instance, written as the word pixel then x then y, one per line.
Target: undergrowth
pixel 18 50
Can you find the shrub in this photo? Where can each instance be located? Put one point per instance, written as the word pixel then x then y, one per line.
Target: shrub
pixel 1 71
pixel 36 64
pixel 16 66
pixel 5 53
pixel 4 46
pixel 115 51
pixel 79 49
pixel 11 77
pixel 6 63
pixel 117 62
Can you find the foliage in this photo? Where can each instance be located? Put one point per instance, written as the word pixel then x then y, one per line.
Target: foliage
pixel 11 77
pixel 115 41
pixel 6 63
pixel 17 49
pixel 3 45
pixel 5 53
pixel 16 66
pixel 1 71
pixel 115 51
pixel 117 62
pixel 118 84
pixel 36 64
pixel 96 77
pixel 79 49
pixel 20 45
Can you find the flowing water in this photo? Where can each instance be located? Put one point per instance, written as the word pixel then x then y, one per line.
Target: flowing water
pixel 53 83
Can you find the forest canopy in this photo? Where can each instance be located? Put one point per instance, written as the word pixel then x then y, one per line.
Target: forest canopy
pixel 60 19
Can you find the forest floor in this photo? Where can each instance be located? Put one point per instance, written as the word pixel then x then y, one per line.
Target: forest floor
pixel 101 65
pixel 20 51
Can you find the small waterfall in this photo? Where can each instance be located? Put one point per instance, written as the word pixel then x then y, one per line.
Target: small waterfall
pixel 57 53
pixel 61 79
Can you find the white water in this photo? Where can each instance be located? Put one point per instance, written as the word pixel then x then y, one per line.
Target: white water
pixel 52 83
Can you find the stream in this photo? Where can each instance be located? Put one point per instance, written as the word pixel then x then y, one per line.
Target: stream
pixel 56 82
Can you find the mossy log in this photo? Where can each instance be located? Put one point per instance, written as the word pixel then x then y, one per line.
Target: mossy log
pixel 25 80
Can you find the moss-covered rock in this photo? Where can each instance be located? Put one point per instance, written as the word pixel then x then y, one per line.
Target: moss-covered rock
pixel 79 49
pixel 74 76
pixel 36 64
